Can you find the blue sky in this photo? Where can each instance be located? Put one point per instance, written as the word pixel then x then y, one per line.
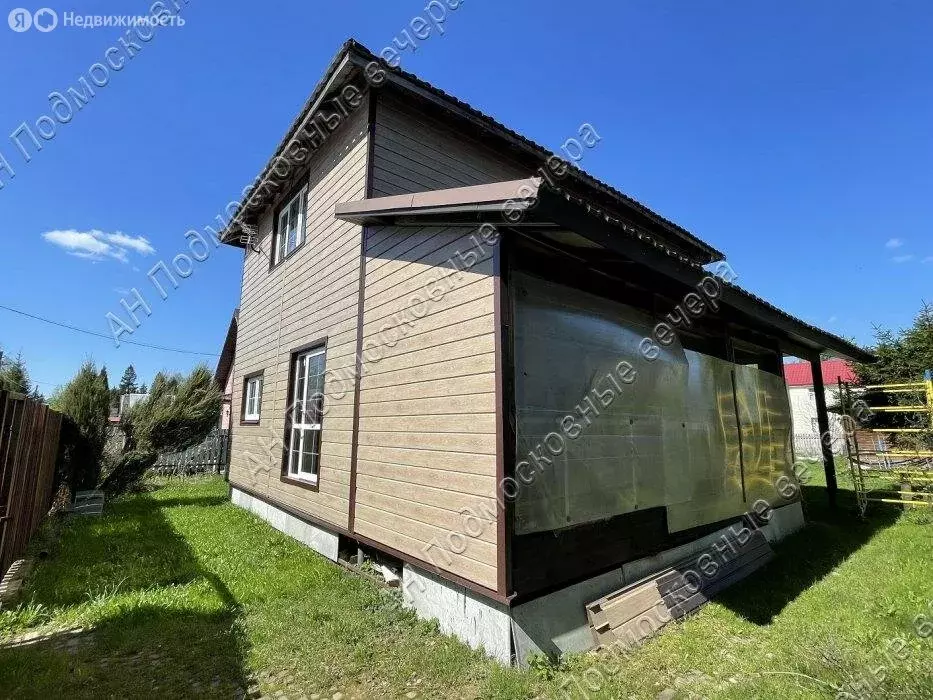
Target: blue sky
pixel 794 136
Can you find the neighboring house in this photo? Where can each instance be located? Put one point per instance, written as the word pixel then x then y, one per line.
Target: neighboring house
pixel 448 356
pixel 127 401
pixel 223 375
pixel 802 395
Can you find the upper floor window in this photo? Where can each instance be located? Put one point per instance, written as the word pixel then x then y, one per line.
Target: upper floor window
pixel 252 399
pixel 290 226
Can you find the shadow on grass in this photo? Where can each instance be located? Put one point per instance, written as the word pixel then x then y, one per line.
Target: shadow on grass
pixel 163 625
pixel 802 559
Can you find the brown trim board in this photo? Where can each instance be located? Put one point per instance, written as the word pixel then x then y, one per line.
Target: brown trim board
pixel 364 232
pixel 505 439
pixel 408 558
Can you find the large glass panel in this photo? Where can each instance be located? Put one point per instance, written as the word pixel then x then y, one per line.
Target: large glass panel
pixel 671 438
pixel 566 344
pixel 764 414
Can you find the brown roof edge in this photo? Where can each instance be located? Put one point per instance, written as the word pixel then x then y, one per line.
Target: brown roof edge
pixel 337 63
pixel 495 196
pixel 227 355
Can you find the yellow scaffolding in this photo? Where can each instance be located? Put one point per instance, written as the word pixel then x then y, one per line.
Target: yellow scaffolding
pixel 881 473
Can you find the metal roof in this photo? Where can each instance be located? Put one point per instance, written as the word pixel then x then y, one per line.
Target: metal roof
pixel 801 373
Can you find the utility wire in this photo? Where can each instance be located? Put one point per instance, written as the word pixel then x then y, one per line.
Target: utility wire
pixel 105 336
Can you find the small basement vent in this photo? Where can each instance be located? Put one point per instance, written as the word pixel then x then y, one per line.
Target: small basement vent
pixel 639 610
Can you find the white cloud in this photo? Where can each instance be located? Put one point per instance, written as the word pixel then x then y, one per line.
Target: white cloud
pixel 894 243
pixel 137 243
pixel 832 319
pixel 97 245
pixel 902 258
pixel 928 259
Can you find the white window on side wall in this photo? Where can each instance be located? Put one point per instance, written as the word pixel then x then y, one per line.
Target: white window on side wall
pixel 303 448
pixel 252 398
pixel 290 226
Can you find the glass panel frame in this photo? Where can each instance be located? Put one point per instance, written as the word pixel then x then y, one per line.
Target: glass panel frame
pixel 304 442
pixel 289 229
pixel 252 405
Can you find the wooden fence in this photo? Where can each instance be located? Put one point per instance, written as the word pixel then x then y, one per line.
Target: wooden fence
pixel 211 455
pixel 29 433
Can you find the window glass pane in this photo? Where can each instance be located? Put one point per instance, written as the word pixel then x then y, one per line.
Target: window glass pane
pixel 315 388
pixel 252 408
pixel 300 384
pixel 294 452
pixel 258 395
pixel 294 209
pixel 309 451
pixel 301 217
pixel 293 216
pixel 280 236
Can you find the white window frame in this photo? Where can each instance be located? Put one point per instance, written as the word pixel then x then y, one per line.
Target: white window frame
pixel 283 225
pixel 252 399
pixel 298 409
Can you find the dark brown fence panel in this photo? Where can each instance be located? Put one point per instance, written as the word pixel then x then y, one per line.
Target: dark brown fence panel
pixel 29 434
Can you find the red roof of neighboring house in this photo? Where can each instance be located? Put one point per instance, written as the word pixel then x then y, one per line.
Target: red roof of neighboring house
pixel 799 374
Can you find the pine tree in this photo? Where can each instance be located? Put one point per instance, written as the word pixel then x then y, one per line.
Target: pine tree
pixel 14 376
pixel 85 401
pixel 128 382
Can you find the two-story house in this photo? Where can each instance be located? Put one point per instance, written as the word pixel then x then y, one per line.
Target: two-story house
pixel 512 379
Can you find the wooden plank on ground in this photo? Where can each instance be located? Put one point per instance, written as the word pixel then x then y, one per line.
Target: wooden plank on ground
pixel 639 609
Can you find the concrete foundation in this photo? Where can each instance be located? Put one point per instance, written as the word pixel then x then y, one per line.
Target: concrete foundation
pixel 553 624
pixel 478 621
pixel 318 539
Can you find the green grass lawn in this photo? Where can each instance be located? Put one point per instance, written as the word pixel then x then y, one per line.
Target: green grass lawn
pixel 180 594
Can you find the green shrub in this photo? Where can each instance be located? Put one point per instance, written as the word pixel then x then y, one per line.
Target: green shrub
pixel 179 412
pixel 85 404
pixel 129 471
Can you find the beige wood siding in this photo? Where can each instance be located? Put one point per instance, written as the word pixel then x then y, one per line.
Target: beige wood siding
pixel 313 294
pixel 415 151
pixel 427 428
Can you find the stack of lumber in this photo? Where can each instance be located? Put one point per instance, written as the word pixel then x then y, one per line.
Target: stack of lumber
pixel 640 609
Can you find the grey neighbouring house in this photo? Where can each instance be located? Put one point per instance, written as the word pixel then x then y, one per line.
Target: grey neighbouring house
pixel 514 381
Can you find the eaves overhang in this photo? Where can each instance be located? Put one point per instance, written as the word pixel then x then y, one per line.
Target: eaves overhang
pixel 533 204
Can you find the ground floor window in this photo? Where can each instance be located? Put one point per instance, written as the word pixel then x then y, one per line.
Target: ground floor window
pixel 303 449
pixel 252 398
